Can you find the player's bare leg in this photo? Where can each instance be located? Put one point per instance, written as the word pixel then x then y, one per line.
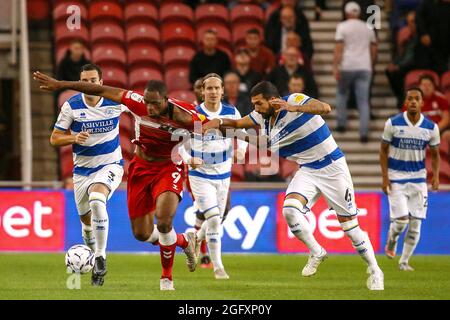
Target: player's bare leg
pixel 396 228
pixel 362 244
pixel 166 206
pixel 293 211
pixel 98 195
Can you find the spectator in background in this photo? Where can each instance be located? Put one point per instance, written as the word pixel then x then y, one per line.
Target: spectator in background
pixel 293 39
pixel 247 76
pixel 70 66
pixel 198 91
pixel 233 96
pixel 280 74
pixel 433 28
pixel 296 84
pixel 289 17
pixel 354 56
pixel 319 6
pixel 210 59
pixel 405 58
pixel 262 59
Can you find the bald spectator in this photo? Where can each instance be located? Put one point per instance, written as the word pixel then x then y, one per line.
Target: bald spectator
pixel 354 57
pixel 289 17
pixel 262 58
pixel 293 39
pixel 280 74
pixel 296 84
pixel 233 96
pixel 70 66
pixel 247 76
pixel 210 59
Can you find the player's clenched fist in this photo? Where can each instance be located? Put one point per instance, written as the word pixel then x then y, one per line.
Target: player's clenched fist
pixel 81 137
pixel 212 124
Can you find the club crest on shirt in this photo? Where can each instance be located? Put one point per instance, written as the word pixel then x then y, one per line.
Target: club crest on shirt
pixel 299 98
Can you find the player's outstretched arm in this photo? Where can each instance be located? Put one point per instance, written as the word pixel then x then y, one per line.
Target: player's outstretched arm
pixel 60 138
pixel 384 152
pixel 435 163
pixel 313 106
pixel 222 123
pixel 48 83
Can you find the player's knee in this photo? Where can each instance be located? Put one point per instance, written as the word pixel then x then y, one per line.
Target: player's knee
pixel 414 227
pixel 400 225
pixel 164 225
pixel 141 235
pixel 213 224
pixel 293 207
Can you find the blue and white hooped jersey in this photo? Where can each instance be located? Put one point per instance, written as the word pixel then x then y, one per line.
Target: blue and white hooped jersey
pixel 407 151
pixel 215 150
pixel 102 122
pixel 301 137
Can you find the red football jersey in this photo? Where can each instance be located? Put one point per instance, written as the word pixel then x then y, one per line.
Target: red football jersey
pixel 152 141
pixel 434 106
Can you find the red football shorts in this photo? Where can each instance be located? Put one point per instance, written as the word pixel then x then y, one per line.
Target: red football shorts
pixel 147 180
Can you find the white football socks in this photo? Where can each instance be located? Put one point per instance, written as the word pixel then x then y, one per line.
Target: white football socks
pixel 213 240
pixel 88 236
pixel 100 223
pixel 411 240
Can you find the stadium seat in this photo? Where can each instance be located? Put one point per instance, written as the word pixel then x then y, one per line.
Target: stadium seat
pixel 447 94
pixel 105 11
pixel 126 123
pixel 178 56
pixel 63 35
pixel 176 13
pixel 237 172
pixel 141 12
pixel 139 77
pixel 38 10
pixel 141 55
pixel 239 31
pixel 107 33
pixel 66 161
pixel 143 33
pixel 445 81
pixel 227 50
pixel 177 79
pixel 62 50
pixel 60 11
pixel 109 54
pixel 183 95
pixel 64 96
pixel 274 6
pixel 114 76
pixel 211 13
pixel 412 78
pixel 223 33
pixel 176 34
pixel 246 13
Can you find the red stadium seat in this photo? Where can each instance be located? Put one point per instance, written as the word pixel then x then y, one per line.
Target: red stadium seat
pixel 183 95
pixel 107 33
pixel 63 35
pixel 144 33
pixel 237 172
pixel 412 78
pixel 139 77
pixel 38 10
pixel 176 34
pixel 239 31
pixel 109 54
pixel 223 33
pixel 114 76
pixel 447 94
pixel 211 13
pixel 445 81
pixel 105 11
pixel 64 96
pixel 178 56
pixel 274 6
pixel 246 13
pixel 227 50
pixel 177 13
pixel 141 12
pixel 62 50
pixel 177 79
pixel 141 55
pixel 66 161
pixel 60 11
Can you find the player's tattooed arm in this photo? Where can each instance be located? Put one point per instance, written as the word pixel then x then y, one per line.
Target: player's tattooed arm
pixel 61 138
pixel 313 106
pixel 223 123
pixel 384 152
pixel 435 163
pixel 48 83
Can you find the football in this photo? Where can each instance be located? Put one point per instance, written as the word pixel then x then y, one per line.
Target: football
pixel 80 259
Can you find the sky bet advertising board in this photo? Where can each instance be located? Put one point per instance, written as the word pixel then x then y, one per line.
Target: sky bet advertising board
pixel 48 221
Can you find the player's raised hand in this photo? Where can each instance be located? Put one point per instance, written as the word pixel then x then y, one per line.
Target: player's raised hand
pixel 212 124
pixel 81 137
pixel 195 162
pixel 435 184
pixel 46 82
pixel 280 104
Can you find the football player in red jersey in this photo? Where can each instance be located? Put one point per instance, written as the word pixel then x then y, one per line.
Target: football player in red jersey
pixel 155 182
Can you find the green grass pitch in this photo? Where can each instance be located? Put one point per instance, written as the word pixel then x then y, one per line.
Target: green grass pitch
pixel 42 276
